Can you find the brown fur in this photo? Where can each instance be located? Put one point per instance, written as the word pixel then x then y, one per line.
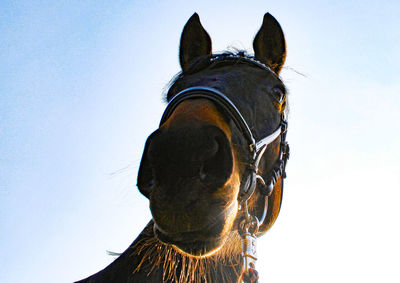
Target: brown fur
pixel 192 166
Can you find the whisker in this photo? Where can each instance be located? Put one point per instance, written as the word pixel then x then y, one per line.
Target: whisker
pixel 182 268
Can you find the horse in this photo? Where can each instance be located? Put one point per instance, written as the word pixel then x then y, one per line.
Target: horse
pixel 213 171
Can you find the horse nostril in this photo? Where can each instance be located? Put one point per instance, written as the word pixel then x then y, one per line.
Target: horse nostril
pixel 202 173
pixel 216 169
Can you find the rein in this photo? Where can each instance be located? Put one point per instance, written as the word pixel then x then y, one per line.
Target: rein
pixel 249 225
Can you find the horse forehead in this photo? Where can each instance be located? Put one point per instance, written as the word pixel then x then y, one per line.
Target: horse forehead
pixel 239 77
pixel 228 79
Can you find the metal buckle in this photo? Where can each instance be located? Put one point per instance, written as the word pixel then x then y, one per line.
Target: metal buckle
pixel 248 228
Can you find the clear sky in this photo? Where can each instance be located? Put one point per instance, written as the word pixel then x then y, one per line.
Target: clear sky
pixel 81 86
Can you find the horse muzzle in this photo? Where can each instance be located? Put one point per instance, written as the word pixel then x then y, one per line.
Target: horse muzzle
pixel 183 172
pixel 193 153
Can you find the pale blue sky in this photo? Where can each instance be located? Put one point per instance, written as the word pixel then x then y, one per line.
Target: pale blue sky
pixel 81 87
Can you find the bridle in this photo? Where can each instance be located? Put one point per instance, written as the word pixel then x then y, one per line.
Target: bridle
pixel 248 226
pixel 256 148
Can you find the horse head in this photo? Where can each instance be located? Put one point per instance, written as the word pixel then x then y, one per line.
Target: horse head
pixel 195 166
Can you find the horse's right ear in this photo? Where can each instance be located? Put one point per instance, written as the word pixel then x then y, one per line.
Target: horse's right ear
pixel 269 44
pixel 195 42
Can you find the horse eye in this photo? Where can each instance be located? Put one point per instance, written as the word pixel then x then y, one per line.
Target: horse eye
pixel 278 94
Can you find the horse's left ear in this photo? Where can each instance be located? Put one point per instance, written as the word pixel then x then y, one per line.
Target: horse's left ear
pixel 269 44
pixel 195 42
